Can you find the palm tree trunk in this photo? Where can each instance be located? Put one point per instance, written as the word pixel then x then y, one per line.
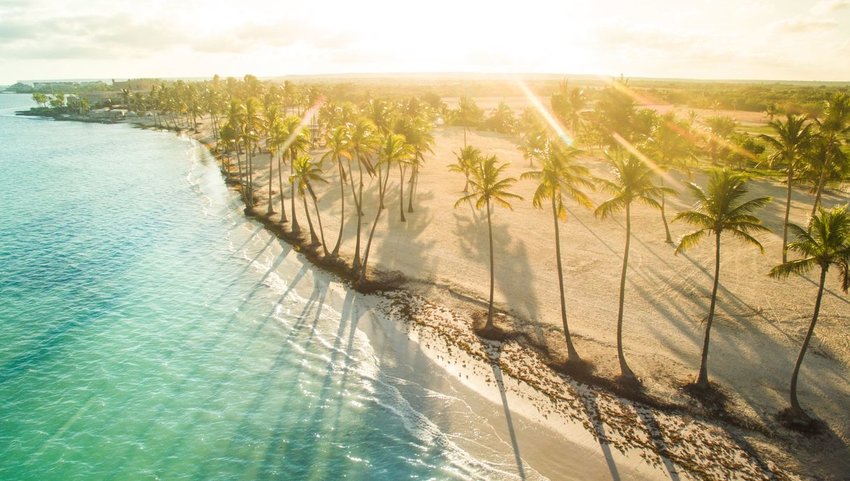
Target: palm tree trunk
pixel 270 209
pixel 401 170
pixel 239 170
pixel 319 218
pixel 702 380
pixel 787 212
pixel 819 191
pixel 625 371
pixel 414 176
pixel 314 239
pixel 795 405
pixel 296 229
pixel 489 324
pixel 280 184
pixel 335 252
pixel 381 192
pixel 358 205
pixel 572 355
pixel 668 239
pixel 250 168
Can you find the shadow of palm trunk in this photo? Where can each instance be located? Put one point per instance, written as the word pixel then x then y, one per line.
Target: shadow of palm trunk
pixel 588 401
pixel 494 354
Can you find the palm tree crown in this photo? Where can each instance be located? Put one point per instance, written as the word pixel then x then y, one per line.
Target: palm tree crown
pixel 825 243
pixel 633 181
pixel 488 185
pixel 558 176
pixel 720 209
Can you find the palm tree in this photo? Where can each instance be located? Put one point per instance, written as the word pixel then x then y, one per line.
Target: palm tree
pixel 337 142
pixel 274 141
pixel 296 142
pixel 568 103
pixel 468 159
pixel 304 173
pixel 490 186
pixel 825 243
pixel 670 147
pixel 394 150
pixel 251 125
pixel 532 143
pixel 230 135
pixel 720 209
pixel 277 137
pixel 363 140
pixel 615 112
pixel 792 138
pixel 632 182
pixel 417 132
pixel 560 174
pixel 833 129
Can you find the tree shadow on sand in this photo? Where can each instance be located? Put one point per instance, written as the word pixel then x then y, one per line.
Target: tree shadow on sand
pixel 511 262
pixel 494 353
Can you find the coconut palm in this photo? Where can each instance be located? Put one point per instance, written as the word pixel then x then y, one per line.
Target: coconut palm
pixel 833 129
pixel 230 135
pixel 561 175
pixel 363 141
pixel 824 244
pixel 337 142
pixel 792 138
pixel 718 209
pixel 296 142
pixel 489 186
pixel 305 172
pixel 251 126
pixel 468 158
pixel 670 147
pixel 394 150
pixel 417 133
pixel 532 143
pixel 632 182
pixel 567 104
pixel 273 144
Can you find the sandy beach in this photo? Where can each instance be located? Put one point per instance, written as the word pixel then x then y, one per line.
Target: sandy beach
pixel 759 328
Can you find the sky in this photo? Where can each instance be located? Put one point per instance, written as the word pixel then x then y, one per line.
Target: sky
pixel 708 39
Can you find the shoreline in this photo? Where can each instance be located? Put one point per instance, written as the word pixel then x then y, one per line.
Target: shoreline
pixel 620 421
pixel 610 413
pixel 631 438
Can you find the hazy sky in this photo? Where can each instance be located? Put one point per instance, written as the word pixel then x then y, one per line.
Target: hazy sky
pixel 750 39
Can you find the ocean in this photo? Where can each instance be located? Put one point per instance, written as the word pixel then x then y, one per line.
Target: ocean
pixel 150 331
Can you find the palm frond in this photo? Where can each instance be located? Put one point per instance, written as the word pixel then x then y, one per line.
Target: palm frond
pixel 689 240
pixel 796 266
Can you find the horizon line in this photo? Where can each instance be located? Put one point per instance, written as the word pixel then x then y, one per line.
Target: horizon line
pixel 435 74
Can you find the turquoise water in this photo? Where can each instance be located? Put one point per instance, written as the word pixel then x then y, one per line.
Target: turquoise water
pixel 149 331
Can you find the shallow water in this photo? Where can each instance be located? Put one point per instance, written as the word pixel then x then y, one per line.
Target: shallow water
pixel 150 331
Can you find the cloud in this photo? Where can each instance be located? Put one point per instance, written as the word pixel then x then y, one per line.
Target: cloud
pixel 121 34
pixel 626 36
pixel 830 6
pixel 807 24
